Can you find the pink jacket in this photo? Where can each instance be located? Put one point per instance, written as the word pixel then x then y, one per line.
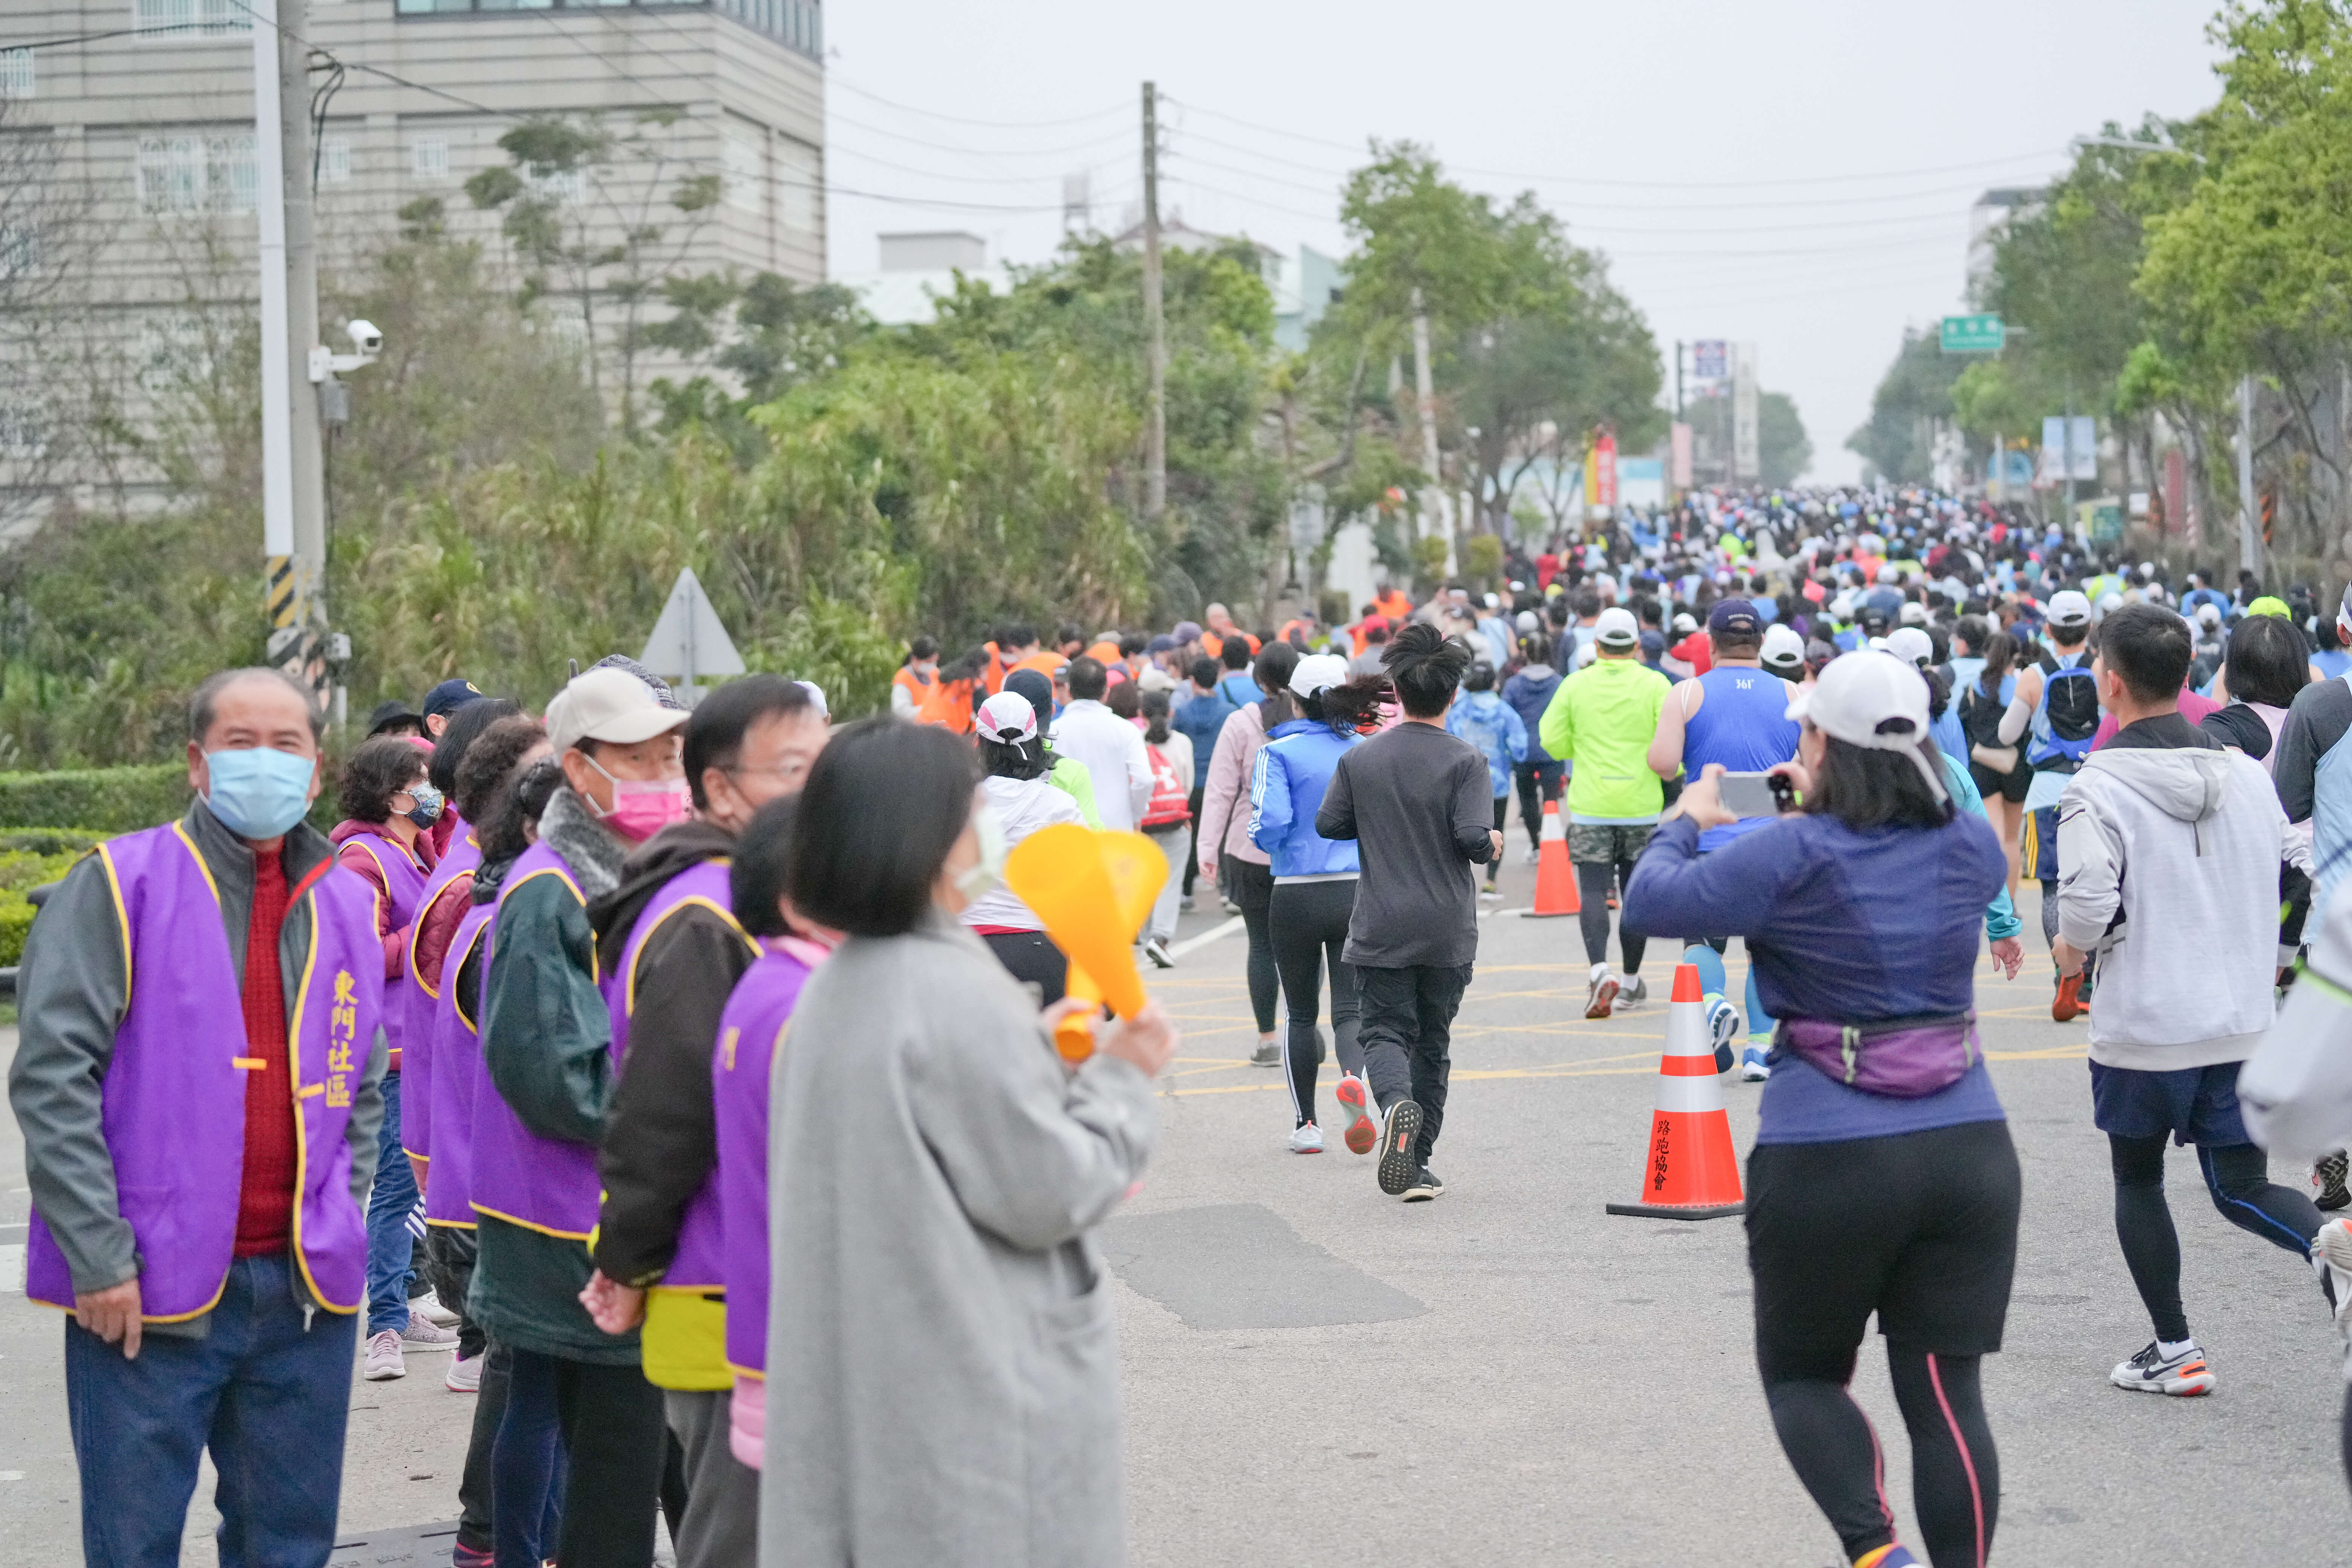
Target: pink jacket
pixel 1224 796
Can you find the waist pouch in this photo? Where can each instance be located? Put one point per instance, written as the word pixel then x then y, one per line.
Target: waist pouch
pixel 1901 1058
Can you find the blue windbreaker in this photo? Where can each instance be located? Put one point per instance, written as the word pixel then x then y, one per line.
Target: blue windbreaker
pixel 1529 692
pixel 1286 784
pixel 1487 722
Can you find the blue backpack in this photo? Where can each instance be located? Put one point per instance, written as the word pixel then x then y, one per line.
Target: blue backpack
pixel 2070 702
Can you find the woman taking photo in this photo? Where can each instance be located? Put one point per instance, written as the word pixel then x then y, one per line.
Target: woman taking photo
pixel 1223 839
pixel 2000 774
pixel 1018 789
pixel 1883 1178
pixel 1314 887
pixel 940 1357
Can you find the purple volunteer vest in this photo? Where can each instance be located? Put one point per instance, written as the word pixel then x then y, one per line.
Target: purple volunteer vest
pixel 545 1185
pixel 173 1104
pixel 418 1002
pixel 751 1033
pixel 698 1265
pixel 457 1054
pixel 406 881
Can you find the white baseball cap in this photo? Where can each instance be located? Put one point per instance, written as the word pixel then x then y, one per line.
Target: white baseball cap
pixel 610 705
pixel 1784 650
pixel 1873 701
pixel 1317 671
pixel 1617 628
pixel 1911 645
pixel 2209 614
pixel 1008 718
pixel 2069 608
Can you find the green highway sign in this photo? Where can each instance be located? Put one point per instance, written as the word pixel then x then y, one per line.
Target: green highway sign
pixel 1971 334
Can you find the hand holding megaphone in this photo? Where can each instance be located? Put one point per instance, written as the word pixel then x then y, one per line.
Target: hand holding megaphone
pixel 1147 1042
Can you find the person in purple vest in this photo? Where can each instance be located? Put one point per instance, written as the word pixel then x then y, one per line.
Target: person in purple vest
pixel 197 1079
pixel 385 840
pixel 542 1085
pixel 669 951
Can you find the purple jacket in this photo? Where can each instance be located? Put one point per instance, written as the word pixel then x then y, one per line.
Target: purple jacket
pixel 750 1036
pixel 455 1049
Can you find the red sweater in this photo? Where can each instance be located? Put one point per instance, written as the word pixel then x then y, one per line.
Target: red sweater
pixel 265 1200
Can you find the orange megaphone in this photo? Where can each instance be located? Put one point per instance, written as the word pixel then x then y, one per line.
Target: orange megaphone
pixel 1092 890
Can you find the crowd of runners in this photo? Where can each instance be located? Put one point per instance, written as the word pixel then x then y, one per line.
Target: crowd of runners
pixel 708 1051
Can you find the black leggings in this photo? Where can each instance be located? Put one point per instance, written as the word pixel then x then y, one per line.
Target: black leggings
pixel 1593 880
pixel 1538 782
pixel 1955 1471
pixel 1253 887
pixel 1032 958
pixel 1310 923
pixel 2238 1178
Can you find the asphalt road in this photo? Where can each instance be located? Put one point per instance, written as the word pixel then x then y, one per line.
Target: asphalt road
pixel 1317 1374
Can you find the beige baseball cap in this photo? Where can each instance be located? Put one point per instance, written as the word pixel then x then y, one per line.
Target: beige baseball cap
pixel 609 705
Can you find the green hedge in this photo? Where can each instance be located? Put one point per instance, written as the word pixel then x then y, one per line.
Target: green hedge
pixel 108 801
pixel 28 858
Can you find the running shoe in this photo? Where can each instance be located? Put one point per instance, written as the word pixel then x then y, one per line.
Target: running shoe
pixel 1634 992
pixel 1887 1557
pixel 1602 995
pixel 1157 951
pixel 1185 904
pixel 2328 1176
pixel 1268 1054
pixel 1722 1027
pixel 1356 1110
pixel 1400 1132
pixel 2067 1006
pixel 2331 1259
pixel 464 1374
pixel 383 1363
pixel 1307 1139
pixel 423 1333
pixel 1753 1067
pixel 1425 1186
pixel 463 1556
pixel 430 1305
pixel 1490 891
pixel 1535 856
pixel 2185 1375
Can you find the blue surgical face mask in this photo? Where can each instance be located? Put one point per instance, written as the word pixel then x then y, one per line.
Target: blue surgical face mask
pixel 427 809
pixel 258 792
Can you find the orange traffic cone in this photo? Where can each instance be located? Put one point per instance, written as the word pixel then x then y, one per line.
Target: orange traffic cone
pixel 1555 878
pixel 1692 1172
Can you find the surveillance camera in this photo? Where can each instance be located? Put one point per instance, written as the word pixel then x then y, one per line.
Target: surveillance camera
pixel 366 337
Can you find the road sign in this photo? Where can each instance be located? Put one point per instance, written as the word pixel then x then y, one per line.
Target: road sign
pixel 1710 359
pixel 689 639
pixel 1971 334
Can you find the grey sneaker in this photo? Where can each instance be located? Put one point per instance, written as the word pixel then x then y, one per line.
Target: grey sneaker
pixel 1425 1187
pixel 1633 991
pixel 383 1363
pixel 424 1334
pixel 1400 1132
pixel 1268 1054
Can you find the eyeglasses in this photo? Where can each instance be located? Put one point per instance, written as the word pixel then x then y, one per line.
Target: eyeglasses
pixel 781 771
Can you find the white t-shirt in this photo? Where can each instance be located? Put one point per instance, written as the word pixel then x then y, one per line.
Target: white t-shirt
pixel 1023 806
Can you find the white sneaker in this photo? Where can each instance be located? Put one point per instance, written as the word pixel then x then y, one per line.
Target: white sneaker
pixel 1601 994
pixel 464 1374
pixel 1753 1067
pixel 2184 1376
pixel 1534 855
pixel 1307 1140
pixel 2331 1260
pixel 383 1363
pixel 422 1334
pixel 1723 1027
pixel 1157 951
pixel 430 1305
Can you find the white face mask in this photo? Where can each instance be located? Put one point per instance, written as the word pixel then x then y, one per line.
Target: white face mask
pixel 985 875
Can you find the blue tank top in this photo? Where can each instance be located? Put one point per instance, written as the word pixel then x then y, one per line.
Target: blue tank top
pixel 1744 725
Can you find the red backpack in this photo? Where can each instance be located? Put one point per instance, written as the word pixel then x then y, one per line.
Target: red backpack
pixel 1170 803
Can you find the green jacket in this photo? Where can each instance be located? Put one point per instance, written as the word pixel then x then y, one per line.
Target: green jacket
pixel 1601 723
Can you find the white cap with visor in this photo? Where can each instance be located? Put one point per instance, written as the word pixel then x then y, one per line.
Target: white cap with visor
pixel 1873 701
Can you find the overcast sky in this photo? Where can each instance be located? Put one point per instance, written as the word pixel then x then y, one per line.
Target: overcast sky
pixel 1797 173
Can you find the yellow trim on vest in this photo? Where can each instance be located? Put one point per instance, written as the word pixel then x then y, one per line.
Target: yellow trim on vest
pixel 301 1138
pixel 148 1317
pixel 198 856
pixel 579 1236
pixel 382 900
pixel 417 928
pixel 250 1063
pixel 629 997
pixel 122 917
pixel 595 965
pixel 452 1223
pixel 755 1376
pixel 457 1005
pixel 420 1159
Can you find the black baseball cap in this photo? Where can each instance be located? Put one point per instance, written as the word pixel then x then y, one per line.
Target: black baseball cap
pixel 1735 618
pixel 450 695
pixel 390 713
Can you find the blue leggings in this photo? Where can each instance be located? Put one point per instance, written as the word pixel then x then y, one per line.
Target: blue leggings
pixel 1708 953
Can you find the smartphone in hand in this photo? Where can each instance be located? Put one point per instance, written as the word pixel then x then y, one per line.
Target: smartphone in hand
pixel 1755 795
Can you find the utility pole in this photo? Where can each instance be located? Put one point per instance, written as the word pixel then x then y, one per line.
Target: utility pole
pixel 1425 395
pixel 2249 526
pixel 294 497
pixel 1155 324
pixel 1678 381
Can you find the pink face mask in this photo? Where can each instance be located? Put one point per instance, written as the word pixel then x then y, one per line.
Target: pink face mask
pixel 643 807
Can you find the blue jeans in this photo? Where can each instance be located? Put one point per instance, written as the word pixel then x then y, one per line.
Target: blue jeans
pixel 268 1395
pixel 391 1248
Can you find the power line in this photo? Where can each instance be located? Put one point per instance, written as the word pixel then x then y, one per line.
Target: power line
pixel 836 78
pixel 969 152
pixel 939 174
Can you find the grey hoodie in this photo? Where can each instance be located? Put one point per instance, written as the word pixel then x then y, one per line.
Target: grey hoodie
pixel 2169 862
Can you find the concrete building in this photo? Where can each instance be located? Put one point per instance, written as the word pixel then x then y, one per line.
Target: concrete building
pixel 153 116
pixel 918 269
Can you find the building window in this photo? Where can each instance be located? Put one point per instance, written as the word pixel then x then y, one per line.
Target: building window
pixel 428 158
pixel 24 434
pixel 798 25
pixel 799 182
pixel 739 166
pixel 179 175
pixel 16 73
pixel 335 160
pixel 164 20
